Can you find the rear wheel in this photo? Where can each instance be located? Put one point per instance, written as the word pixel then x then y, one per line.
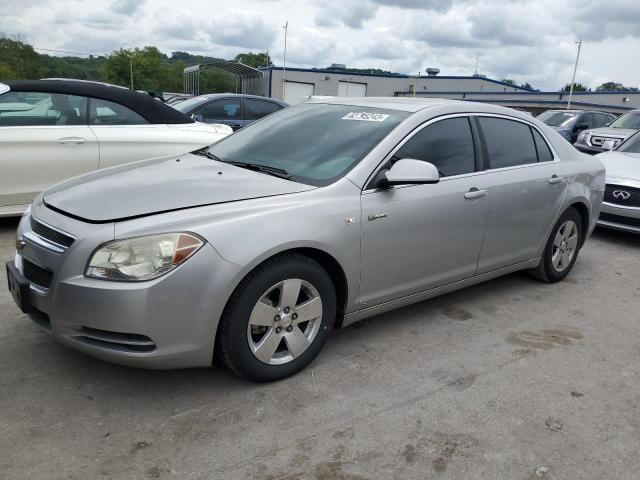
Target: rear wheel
pixel 562 248
pixel 278 319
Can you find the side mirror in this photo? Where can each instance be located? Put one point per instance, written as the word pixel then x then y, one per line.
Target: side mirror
pixel 581 126
pixel 197 117
pixel 409 171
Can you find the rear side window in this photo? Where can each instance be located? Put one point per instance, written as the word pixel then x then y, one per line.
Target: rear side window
pixel 25 109
pixel 509 143
pixel 448 144
pixel 228 109
pixel 544 153
pixel 103 112
pixel 256 109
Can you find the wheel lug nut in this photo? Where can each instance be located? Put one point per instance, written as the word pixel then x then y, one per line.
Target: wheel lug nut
pixel 287 309
pixel 278 329
pixel 289 328
pixel 276 318
pixel 294 316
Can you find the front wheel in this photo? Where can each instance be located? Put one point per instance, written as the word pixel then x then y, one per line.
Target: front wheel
pixel 278 319
pixel 562 248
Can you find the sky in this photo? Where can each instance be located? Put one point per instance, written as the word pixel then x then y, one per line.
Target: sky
pixel 528 41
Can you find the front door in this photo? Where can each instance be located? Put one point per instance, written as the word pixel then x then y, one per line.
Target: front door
pixel 417 237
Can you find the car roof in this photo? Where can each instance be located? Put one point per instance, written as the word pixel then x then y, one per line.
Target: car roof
pixel 406 104
pixel 211 96
pixel 151 109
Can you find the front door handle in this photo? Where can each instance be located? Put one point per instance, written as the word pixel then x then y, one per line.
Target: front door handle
pixel 555 179
pixel 71 140
pixel 475 193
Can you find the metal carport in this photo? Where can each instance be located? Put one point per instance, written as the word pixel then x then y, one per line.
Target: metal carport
pixel 240 70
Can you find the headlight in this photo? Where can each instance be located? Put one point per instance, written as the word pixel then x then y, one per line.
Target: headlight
pixel 582 136
pixel 142 258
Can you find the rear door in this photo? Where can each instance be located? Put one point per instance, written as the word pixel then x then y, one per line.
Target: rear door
pixel 527 185
pixel 255 109
pixel 44 139
pixel 227 111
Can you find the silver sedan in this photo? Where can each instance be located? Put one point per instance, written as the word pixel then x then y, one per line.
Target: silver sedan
pixel 312 218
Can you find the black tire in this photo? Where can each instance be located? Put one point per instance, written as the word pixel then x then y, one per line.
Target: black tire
pixel 545 271
pixel 232 345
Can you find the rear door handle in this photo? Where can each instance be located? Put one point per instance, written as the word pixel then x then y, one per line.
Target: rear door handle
pixel 475 193
pixel 555 179
pixel 71 140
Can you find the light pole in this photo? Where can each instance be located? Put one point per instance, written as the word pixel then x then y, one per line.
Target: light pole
pixel 131 68
pixel 284 63
pixel 573 79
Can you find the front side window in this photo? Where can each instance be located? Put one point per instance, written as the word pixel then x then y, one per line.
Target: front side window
pixel 509 143
pixel 228 109
pixel 103 112
pixel 628 120
pixel 315 143
pixel 18 109
pixel 256 109
pixel 447 144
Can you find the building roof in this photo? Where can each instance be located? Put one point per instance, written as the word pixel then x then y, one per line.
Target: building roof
pixel 151 109
pixel 396 75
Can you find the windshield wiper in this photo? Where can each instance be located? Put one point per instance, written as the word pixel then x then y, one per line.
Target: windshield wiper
pixel 274 171
pixel 256 167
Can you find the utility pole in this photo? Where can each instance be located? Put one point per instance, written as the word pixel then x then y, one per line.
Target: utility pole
pixel 284 63
pixel 573 79
pixel 477 60
pixel 131 68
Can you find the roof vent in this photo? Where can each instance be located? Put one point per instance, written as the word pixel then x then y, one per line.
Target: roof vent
pixel 432 72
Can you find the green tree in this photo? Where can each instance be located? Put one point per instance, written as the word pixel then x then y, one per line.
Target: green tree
pixel 19 58
pixel 509 81
pixel 255 60
pixel 615 86
pixel 6 73
pixel 150 68
pixel 577 87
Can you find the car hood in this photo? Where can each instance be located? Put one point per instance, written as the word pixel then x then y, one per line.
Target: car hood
pixel 613 132
pixel 621 165
pixel 155 186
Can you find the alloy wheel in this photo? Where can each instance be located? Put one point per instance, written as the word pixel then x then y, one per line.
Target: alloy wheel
pixel 285 321
pixel 565 245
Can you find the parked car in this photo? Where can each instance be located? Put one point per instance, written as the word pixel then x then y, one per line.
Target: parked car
pixel 229 109
pixel 54 129
pixel 317 216
pixel 593 141
pixel 569 123
pixel 621 205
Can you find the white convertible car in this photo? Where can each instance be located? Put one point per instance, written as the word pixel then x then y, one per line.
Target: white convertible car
pixel 51 130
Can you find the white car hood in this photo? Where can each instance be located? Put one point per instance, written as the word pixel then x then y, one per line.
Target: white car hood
pixel 621 165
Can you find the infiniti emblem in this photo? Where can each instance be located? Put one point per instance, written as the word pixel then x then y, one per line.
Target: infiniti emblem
pixel 20 244
pixel 621 194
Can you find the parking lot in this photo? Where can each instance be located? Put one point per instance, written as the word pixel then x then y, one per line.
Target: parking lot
pixel 510 379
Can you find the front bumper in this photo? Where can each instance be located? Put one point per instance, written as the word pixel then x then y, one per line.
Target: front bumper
pixel 626 219
pixel 169 322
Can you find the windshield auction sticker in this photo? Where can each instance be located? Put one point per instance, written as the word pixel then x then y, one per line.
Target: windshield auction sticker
pixel 365 117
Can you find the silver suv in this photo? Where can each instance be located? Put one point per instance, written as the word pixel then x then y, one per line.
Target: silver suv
pixel 600 140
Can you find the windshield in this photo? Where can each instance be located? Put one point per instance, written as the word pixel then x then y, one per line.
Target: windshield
pixel 315 143
pixel 557 119
pixel 628 120
pixel 185 106
pixel 632 145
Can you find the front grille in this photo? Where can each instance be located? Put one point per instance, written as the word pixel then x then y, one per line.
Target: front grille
pixel 36 274
pixel 50 234
pixel 629 221
pixel 597 141
pixel 622 195
pixel 123 342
